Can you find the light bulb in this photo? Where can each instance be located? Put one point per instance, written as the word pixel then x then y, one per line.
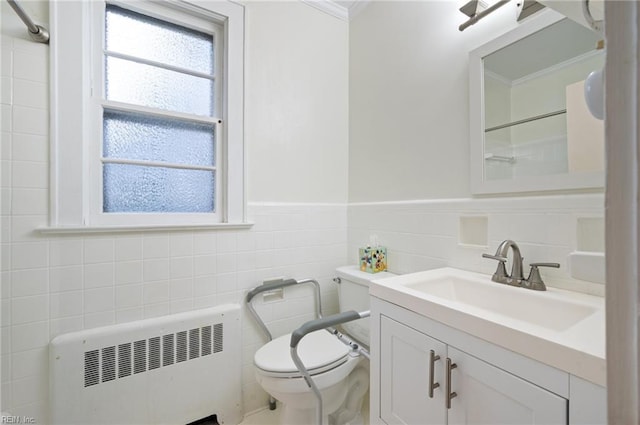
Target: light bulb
pixel 594 93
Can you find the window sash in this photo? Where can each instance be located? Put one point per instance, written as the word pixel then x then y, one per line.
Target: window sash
pixel 174 68
pixel 101 104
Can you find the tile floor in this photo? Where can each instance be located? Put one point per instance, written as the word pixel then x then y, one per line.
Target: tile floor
pixel 272 417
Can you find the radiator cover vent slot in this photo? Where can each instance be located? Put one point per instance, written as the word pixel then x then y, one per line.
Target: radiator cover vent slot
pixel 91 368
pixel 218 338
pixel 100 365
pixel 109 363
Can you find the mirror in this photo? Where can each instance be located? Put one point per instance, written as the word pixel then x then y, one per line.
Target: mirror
pixel 530 126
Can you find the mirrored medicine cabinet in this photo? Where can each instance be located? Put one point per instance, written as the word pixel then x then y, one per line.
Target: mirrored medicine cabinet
pixel 530 126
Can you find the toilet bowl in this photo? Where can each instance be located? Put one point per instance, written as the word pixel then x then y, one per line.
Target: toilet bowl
pixel 329 362
pixel 339 372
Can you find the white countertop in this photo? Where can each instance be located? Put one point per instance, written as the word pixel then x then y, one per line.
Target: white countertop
pixel 578 348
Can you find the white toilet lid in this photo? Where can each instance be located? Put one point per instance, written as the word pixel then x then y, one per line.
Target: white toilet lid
pixel 317 350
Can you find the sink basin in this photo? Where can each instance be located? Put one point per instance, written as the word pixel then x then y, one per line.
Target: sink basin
pixel 473 292
pixel 563 329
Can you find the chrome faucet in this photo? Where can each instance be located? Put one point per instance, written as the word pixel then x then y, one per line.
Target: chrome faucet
pixel 501 276
pixel 516 278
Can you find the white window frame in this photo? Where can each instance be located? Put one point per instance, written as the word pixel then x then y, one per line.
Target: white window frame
pixel 77 35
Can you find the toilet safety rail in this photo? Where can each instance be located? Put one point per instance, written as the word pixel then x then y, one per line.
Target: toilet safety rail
pixel 272 285
pixel 315 325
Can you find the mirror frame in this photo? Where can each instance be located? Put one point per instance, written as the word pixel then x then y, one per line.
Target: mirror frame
pixel 479 186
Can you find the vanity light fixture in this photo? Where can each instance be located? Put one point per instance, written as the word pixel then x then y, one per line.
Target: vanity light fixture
pixel 474 7
pixel 475 10
pixel 527 8
pixel 478 9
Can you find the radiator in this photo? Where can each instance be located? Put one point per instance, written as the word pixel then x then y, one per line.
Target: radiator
pixel 168 370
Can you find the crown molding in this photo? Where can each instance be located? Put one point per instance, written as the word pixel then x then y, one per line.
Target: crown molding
pixel 330 7
pixel 357 7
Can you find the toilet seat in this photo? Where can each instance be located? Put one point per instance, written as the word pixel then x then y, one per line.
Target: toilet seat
pixel 319 351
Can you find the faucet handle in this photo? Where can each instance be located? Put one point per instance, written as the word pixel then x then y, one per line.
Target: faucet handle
pixel 534 281
pixel 554 265
pixel 501 272
pixel 495 257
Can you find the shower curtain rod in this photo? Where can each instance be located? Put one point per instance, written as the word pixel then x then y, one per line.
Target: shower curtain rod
pixel 36 32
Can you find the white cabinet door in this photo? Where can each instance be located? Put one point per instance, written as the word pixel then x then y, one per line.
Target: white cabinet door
pixel 488 395
pixel 405 359
pixel 587 403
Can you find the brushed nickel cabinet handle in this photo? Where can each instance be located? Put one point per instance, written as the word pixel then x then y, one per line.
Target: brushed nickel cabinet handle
pixel 450 394
pixel 432 360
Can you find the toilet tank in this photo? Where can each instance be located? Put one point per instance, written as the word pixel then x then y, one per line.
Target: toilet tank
pixel 353 294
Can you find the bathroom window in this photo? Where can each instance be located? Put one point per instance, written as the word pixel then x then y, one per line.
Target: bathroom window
pixel 161 138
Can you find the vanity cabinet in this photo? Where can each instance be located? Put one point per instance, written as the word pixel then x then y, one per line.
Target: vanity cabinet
pixel 483 393
pixel 489 384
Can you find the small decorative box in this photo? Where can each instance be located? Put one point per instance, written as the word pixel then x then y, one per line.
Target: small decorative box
pixel 373 259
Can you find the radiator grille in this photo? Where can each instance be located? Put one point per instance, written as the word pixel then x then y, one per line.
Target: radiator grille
pixel 194 343
pixel 140 356
pixel 182 346
pixel 206 340
pixel 108 363
pixel 91 367
pixel 167 349
pixel 124 360
pixel 133 357
pixel 154 353
pixel 217 338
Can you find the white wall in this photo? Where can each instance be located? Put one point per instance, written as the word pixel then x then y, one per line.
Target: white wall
pixel 296 103
pixel 56 284
pixel 409 103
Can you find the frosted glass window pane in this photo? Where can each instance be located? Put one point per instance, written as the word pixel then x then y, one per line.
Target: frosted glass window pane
pixel 146 85
pixel 142 36
pixel 134 188
pixel 132 136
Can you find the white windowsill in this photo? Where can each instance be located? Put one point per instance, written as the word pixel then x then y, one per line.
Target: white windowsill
pixel 58 230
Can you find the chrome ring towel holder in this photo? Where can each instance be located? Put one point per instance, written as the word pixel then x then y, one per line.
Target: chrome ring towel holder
pixel 596 25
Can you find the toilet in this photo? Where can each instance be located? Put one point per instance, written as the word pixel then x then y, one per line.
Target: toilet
pixel 340 372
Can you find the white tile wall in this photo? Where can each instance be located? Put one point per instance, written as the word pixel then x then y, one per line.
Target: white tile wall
pixel 423 235
pixel 57 284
